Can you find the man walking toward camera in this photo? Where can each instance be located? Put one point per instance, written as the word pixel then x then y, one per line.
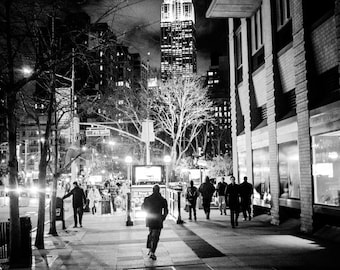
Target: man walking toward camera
pixel 157 209
pixel 232 196
pixel 78 202
pixel 220 190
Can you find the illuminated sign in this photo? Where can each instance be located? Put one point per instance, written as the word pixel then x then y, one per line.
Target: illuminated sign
pixel 147 174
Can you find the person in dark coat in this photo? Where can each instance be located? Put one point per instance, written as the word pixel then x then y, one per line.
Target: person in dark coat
pixel 191 196
pixel 207 190
pixel 78 202
pixel 246 193
pixel 157 209
pixel 232 196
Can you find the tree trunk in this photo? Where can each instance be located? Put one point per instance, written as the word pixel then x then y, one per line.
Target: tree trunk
pixel 53 228
pixel 39 240
pixel 15 232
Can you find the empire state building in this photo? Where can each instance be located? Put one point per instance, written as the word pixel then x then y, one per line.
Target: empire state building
pixel 178 41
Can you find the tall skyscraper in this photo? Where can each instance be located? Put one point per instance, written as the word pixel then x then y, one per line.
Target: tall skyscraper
pixel 178 39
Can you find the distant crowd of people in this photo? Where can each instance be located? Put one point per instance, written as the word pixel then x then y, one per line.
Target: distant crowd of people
pixel 237 197
pixel 89 199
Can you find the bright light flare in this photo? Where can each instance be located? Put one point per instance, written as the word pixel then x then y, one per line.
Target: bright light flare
pixel 34 190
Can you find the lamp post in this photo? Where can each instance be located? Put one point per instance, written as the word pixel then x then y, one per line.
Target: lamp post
pixel 128 161
pixel 167 160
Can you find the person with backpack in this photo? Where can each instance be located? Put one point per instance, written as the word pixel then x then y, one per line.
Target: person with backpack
pixel 191 196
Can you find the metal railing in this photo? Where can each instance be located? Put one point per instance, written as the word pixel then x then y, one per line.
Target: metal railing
pixel 4 241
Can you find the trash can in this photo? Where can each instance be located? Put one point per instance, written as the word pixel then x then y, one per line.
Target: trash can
pixel 26 242
pixel 59 211
pixel 105 207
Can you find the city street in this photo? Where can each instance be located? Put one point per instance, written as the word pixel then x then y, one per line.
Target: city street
pixel 31 210
pixel 106 243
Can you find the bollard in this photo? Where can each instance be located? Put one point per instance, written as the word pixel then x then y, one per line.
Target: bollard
pixel 129 222
pixel 179 219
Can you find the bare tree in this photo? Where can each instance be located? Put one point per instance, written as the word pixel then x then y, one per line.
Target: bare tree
pixel 180 109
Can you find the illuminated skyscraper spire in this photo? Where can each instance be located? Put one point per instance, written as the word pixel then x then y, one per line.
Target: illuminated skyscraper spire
pixel 178 39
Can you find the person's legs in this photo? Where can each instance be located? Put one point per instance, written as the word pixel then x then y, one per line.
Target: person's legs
pixel 194 209
pixel 249 211
pixel 244 209
pixel 190 209
pixel 220 203
pixel 232 216
pixel 224 206
pixel 80 214
pixel 155 233
pixel 75 217
pixel 206 207
pixel 113 203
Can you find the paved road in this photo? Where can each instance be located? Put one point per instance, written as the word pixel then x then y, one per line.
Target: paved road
pixel 31 209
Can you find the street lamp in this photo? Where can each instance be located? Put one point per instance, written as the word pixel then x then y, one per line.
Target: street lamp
pixel 128 161
pixel 167 160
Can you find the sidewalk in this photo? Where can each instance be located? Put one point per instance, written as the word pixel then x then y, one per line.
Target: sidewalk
pixel 106 243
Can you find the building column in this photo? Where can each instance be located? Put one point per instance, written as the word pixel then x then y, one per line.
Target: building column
pixel 337 30
pixel 271 111
pixel 233 97
pixel 304 137
pixel 247 106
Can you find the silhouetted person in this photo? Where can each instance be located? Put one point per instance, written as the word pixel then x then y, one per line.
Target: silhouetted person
pixel 246 192
pixel 232 196
pixel 157 209
pixel 220 190
pixel 78 202
pixel 207 190
pixel 191 196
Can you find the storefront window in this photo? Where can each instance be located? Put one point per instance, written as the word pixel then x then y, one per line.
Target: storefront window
pixel 289 170
pixel 262 194
pixel 242 165
pixel 326 168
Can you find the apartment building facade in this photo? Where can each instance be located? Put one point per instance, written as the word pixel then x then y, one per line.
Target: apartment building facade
pixel 285 105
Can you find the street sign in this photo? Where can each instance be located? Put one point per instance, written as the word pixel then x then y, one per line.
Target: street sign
pixel 97 132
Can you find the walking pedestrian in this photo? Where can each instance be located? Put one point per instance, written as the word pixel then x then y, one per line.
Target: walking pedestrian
pixel 246 193
pixel 191 196
pixel 220 190
pixel 113 195
pixel 232 196
pixel 78 202
pixel 157 209
pixel 207 190
pixel 94 198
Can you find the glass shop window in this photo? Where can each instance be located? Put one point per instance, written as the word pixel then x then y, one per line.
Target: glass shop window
pixel 326 168
pixel 262 195
pixel 289 170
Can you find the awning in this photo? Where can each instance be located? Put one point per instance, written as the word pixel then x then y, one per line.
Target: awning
pixel 232 8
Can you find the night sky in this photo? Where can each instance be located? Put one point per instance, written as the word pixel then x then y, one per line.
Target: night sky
pixel 137 24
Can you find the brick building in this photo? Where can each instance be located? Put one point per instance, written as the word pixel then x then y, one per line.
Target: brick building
pixel 285 105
